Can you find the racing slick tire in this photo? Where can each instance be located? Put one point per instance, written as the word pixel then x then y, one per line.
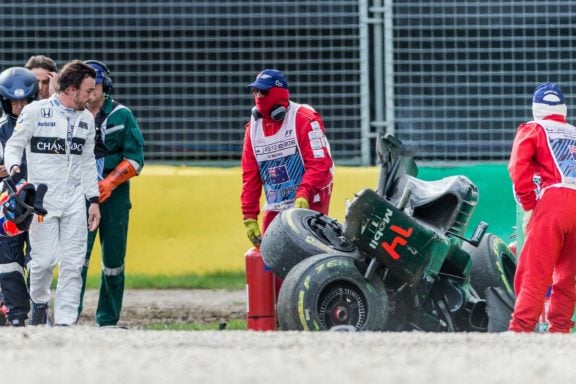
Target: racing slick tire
pixel 298 233
pixel 328 292
pixel 493 265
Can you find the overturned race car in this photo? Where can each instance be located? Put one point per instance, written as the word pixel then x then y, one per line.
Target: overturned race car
pixel 399 261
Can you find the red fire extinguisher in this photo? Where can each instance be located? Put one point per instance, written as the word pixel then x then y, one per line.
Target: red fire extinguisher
pixel 261 293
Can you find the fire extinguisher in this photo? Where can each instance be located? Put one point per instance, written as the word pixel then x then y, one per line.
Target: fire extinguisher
pixel 260 293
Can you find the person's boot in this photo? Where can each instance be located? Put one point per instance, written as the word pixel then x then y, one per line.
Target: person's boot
pixel 39 315
pixel 17 322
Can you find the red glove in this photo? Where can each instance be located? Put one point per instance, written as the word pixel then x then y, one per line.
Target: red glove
pixel 123 171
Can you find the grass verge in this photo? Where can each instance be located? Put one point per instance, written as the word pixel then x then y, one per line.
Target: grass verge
pixel 216 280
pixel 232 325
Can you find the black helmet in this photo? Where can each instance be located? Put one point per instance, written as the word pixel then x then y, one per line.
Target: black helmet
pixel 19 206
pixel 17 83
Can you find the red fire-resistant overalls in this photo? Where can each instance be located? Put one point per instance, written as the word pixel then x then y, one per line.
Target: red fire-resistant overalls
pixel 316 181
pixel 546 148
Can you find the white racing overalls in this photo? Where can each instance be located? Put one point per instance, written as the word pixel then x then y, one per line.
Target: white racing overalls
pixel 59 145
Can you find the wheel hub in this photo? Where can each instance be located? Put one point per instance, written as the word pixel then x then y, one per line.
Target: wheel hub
pixel 330 232
pixel 340 305
pixel 340 313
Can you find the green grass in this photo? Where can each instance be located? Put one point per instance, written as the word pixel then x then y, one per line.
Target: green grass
pixel 217 280
pixel 232 325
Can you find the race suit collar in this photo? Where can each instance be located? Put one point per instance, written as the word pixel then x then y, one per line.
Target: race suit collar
pixel 58 104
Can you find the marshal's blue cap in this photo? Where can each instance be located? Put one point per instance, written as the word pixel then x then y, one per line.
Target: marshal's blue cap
pixel 269 78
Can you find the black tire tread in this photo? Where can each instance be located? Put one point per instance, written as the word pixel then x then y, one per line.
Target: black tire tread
pixel 488 265
pixel 287 241
pixel 311 276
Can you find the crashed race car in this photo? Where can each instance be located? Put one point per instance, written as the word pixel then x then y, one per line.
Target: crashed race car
pixel 400 261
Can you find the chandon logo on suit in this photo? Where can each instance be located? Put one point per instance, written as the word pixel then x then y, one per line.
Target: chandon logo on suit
pixel 52 145
pixel 77 146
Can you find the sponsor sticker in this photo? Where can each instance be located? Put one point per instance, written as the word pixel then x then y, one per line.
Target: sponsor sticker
pixel 318 153
pixel 46 112
pixel 315 135
pixel 46 124
pixel 53 145
pixel 271 195
pixel 316 143
pixel 77 145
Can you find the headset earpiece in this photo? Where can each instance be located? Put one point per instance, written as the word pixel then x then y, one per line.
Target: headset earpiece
pixel 256 113
pixel 278 112
pixel 107 84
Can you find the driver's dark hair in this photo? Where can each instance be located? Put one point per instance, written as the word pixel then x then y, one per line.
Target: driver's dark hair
pixel 73 73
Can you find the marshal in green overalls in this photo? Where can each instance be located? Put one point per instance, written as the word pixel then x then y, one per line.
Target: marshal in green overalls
pixel 123 158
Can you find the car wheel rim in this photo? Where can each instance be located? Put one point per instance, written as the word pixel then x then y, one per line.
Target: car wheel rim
pixel 342 305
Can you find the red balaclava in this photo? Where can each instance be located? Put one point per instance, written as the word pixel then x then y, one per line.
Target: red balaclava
pixel 276 96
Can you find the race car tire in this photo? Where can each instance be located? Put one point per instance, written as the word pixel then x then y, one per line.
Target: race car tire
pixel 328 292
pixel 296 234
pixel 493 265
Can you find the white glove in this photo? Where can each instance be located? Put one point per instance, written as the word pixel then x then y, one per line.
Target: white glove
pixel 526 220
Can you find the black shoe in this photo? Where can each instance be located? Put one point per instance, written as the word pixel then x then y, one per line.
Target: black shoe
pixel 39 314
pixel 17 322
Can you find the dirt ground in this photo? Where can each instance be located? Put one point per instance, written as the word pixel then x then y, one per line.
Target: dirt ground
pixel 144 307
pixel 92 355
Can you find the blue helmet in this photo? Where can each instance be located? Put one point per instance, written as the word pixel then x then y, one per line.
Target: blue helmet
pixel 17 83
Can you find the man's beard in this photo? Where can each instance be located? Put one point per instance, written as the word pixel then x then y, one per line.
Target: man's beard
pixel 80 106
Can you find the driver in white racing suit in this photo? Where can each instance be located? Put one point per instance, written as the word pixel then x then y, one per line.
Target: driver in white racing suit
pixel 58 137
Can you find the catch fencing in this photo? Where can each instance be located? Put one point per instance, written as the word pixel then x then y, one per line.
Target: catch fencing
pixel 453 78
